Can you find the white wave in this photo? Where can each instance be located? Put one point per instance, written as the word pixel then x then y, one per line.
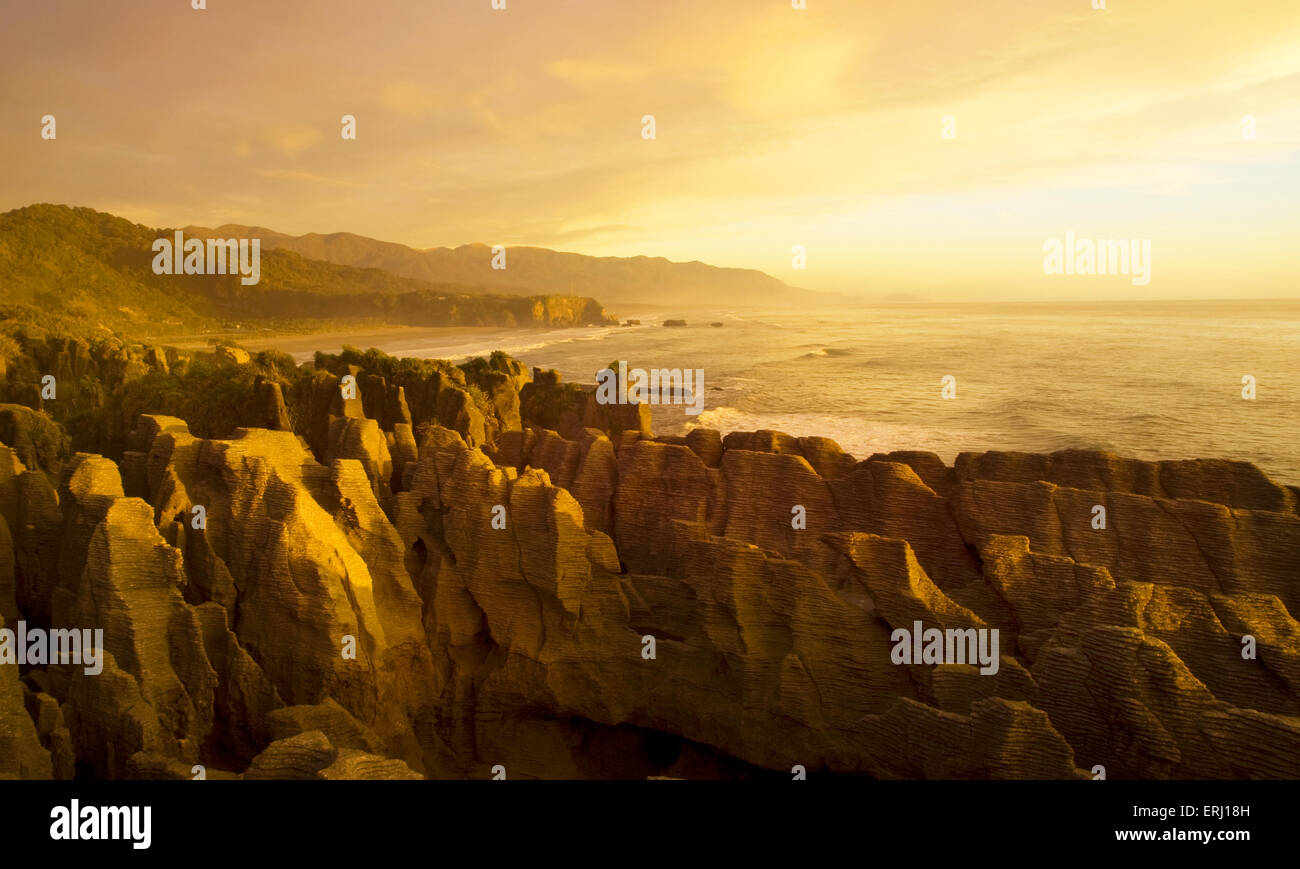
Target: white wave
pixel 507 342
pixel 856 436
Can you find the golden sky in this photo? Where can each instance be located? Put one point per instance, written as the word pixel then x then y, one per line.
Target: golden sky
pixel 775 127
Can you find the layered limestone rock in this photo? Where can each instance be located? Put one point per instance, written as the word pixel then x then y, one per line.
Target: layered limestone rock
pixel 311 756
pixel 569 408
pixel 1210 580
pixel 734 627
pixel 29 506
pixel 462 567
pixel 155 692
pixel 21 753
pixel 305 563
pixel 425 392
pixel 33 438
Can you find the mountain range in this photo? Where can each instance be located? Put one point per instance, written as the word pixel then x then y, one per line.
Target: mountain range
pixel 614 280
pixel 70 270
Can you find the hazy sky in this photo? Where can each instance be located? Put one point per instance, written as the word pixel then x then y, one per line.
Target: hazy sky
pixel 775 127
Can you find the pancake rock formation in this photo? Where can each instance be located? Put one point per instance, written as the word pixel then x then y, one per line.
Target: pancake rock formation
pixel 400 569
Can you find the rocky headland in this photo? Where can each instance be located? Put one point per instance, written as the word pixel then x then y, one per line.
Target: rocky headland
pixel 531 580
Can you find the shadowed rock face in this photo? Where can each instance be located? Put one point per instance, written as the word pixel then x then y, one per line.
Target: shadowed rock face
pixel 402 589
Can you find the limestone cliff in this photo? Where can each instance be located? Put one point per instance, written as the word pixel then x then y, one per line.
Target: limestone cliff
pixel 453 568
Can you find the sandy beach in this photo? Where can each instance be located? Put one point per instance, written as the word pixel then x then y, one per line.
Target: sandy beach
pixel 305 344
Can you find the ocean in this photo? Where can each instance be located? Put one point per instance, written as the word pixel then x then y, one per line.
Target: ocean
pixel 1151 380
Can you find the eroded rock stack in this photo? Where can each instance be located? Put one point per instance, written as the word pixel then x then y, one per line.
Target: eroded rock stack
pixel 438 575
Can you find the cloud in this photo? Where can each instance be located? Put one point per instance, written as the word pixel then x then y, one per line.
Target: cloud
pixel 410 99
pixel 304 177
pixel 291 140
pixel 584 72
pixel 774 125
pixel 567 236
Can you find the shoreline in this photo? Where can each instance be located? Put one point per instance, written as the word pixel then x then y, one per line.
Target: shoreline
pixel 333 340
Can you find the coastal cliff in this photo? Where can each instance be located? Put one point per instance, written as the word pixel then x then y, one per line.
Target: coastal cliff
pixel 85 272
pixel 528 579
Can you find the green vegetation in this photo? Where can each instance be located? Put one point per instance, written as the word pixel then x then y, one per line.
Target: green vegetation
pixel 76 270
pixel 80 271
pixel 105 382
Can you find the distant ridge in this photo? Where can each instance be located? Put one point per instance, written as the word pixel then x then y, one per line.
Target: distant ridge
pixel 614 280
pixel 76 269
